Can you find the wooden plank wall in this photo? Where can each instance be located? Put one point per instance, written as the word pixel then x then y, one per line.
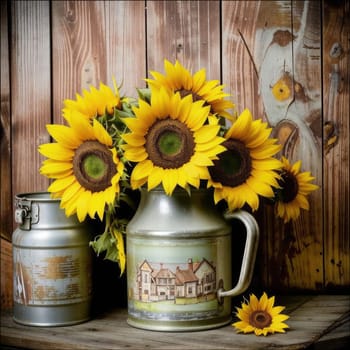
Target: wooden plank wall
pixel 52 49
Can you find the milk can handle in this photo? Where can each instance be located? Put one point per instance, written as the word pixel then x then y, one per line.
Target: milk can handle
pixel 249 255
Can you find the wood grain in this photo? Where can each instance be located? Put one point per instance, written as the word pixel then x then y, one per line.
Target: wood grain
pixel 93 42
pixel 6 275
pixel 30 92
pixel 310 318
pixel 336 84
pixel 185 30
pixel 5 131
pixel 264 55
pixel 297 256
pixel 240 75
pixel 59 48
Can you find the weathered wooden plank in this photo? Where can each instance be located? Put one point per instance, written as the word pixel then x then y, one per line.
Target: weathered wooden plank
pixel 5 131
pixel 185 30
pixel 110 331
pixel 336 83
pixel 299 249
pixel 240 75
pixel 308 109
pixel 241 78
pixel 6 275
pixel 5 166
pixel 30 92
pixel 268 45
pixel 93 42
pixel 125 38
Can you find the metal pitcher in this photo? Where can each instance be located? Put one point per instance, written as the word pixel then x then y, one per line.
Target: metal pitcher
pixel 179 261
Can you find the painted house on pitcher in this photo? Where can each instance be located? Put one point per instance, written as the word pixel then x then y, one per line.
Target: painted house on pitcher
pixel 197 280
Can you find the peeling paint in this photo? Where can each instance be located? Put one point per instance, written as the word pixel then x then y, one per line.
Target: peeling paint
pixel 48 278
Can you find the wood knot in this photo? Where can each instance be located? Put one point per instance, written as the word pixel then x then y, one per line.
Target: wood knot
pixel 283 37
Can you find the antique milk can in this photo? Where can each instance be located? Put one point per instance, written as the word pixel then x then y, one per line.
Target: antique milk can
pixel 52 264
pixel 179 261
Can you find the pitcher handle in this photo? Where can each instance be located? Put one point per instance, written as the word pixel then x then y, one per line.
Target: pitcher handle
pixel 250 250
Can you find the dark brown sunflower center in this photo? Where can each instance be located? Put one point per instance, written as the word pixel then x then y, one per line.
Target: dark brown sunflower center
pixel 184 93
pixel 260 319
pixel 233 166
pixel 195 97
pixel 93 166
pixel 169 143
pixel 289 185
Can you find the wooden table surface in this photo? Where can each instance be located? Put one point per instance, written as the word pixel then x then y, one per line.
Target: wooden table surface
pixel 312 318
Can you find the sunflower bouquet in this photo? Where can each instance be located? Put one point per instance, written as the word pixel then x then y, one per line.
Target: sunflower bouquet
pixel 179 132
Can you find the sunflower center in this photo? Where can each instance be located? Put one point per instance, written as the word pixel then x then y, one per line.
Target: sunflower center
pixel 93 166
pixel 233 166
pixel 260 319
pixel 169 143
pixel 289 185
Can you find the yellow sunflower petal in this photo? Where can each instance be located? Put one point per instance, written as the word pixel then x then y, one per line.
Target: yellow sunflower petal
pixel 101 134
pixel 155 177
pixel 71 205
pixel 207 133
pixel 261 188
pixel 267 164
pixel 142 169
pixel 82 127
pixel 267 151
pixel 254 302
pixel 61 184
pixel 263 301
pixel 120 248
pixel 83 205
pixel 135 154
pixel 302 202
pixel 134 139
pixel 56 151
pixel 64 135
pixel 296 167
pixel 53 167
pixel 170 180
pixel 99 204
pixel 70 192
pixel 241 126
pixel 201 159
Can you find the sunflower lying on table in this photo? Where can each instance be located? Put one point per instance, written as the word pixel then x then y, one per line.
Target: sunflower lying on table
pixel 178 132
pixel 260 316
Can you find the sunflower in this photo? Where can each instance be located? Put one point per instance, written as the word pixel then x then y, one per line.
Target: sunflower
pixel 294 188
pixel 177 78
pixel 171 141
pixel 247 168
pixel 260 316
pixel 85 167
pixel 93 103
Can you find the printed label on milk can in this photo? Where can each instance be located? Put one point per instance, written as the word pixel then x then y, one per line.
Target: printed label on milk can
pixel 51 277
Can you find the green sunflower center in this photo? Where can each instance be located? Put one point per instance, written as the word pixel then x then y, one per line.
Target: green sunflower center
pixel 260 319
pixel 233 166
pixel 169 143
pixel 93 166
pixel 290 187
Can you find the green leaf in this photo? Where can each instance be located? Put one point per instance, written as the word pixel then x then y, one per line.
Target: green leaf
pixel 144 94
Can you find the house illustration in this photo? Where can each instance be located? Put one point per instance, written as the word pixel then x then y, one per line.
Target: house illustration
pixel 195 281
